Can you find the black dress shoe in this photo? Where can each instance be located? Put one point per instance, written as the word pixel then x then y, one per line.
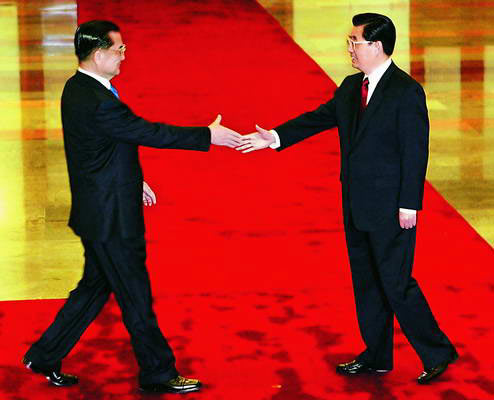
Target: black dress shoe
pixel 357 367
pixel 177 385
pixel 55 377
pixel 432 373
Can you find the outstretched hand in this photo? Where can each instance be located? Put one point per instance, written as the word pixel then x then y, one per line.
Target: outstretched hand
pixel 256 141
pixel 223 136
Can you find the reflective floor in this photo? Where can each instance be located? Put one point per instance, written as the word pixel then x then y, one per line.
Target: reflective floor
pixel 447 46
pixel 37 248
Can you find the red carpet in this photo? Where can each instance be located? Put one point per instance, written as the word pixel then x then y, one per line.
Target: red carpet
pixel 246 252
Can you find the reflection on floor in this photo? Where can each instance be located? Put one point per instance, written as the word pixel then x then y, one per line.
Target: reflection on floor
pixel 447 47
pixel 37 57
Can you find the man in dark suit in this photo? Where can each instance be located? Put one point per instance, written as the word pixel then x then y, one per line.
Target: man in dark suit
pixel 383 125
pixel 101 137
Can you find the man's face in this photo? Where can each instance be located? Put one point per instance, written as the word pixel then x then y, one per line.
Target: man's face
pixel 363 54
pixel 108 60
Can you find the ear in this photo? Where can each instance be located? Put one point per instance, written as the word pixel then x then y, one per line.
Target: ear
pixel 96 56
pixel 379 46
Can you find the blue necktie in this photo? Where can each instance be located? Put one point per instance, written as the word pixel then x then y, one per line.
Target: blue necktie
pixel 114 91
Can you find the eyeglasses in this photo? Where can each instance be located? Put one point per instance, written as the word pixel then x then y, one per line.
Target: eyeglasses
pixel 120 50
pixel 352 43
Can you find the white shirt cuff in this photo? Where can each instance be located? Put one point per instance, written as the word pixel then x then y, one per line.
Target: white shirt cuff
pixel 408 211
pixel 277 142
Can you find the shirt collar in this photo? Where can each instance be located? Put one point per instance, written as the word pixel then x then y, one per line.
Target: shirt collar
pixel 377 74
pixel 105 82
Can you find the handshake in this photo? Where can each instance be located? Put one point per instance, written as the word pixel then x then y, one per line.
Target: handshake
pixel 223 136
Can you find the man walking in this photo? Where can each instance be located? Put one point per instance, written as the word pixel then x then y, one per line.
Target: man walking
pixel 101 137
pixel 382 118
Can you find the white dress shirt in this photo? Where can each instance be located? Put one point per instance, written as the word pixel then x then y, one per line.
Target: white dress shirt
pixel 374 78
pixel 100 79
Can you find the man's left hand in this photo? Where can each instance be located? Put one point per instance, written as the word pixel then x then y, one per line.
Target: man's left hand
pixel 407 220
pixel 148 196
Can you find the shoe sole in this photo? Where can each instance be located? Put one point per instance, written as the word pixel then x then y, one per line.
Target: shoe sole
pixel 181 391
pixel 369 371
pixel 59 384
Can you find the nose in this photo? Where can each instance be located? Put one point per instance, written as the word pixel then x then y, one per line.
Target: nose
pixel 349 47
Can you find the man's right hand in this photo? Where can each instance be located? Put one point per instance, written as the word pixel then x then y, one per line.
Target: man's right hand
pixel 223 136
pixel 257 140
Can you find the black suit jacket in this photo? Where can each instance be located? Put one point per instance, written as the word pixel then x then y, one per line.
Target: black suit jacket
pixel 101 138
pixel 384 155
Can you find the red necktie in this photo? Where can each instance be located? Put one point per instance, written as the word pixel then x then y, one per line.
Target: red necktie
pixel 364 91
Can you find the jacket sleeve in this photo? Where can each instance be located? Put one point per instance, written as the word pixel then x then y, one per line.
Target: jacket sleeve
pixel 413 133
pixel 307 124
pixel 115 120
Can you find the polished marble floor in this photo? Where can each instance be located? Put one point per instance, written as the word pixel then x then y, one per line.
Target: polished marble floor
pixel 447 45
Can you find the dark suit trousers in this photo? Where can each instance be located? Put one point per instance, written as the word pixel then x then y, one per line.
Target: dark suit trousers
pixel 114 266
pixel 381 264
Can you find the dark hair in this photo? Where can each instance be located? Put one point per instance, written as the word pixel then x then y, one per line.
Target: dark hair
pixel 93 35
pixel 377 27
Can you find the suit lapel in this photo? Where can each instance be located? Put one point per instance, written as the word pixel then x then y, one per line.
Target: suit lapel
pixel 353 108
pixel 374 103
